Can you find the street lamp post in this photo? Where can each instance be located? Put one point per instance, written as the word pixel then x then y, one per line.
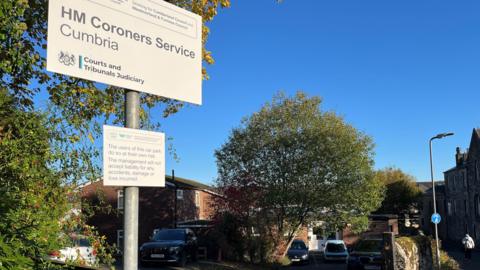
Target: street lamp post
pixel 438 136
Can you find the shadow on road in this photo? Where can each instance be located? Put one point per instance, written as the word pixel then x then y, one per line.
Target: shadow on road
pixel 317 262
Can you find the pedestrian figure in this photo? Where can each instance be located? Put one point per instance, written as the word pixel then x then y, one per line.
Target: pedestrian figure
pixel 468 244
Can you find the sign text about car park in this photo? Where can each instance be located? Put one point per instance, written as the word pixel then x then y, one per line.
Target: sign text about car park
pixel 133 157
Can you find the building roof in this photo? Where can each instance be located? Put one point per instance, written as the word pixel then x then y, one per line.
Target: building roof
pixel 424 186
pixel 439 188
pixel 186 183
pixel 182 183
pixel 451 169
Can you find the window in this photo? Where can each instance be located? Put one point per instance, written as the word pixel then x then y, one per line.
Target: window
pixel 477 169
pixel 451 180
pixel 449 208
pixel 455 209
pixel 464 176
pixel 477 205
pixel 120 199
pixel 465 209
pixel 197 198
pixel 120 240
pixel 179 194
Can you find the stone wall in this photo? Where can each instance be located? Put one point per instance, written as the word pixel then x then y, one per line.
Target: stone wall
pixel 413 253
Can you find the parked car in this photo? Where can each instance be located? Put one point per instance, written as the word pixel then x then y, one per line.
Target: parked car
pixel 170 246
pixel 79 253
pixel 366 255
pixel 335 250
pixel 298 252
pixel 323 240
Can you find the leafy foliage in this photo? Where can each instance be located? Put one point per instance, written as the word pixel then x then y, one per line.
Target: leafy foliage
pixel 402 194
pixel 33 199
pixel 45 157
pixel 37 205
pixel 299 165
pixel 79 107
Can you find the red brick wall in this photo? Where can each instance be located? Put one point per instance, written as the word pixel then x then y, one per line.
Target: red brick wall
pixel 206 211
pixel 156 209
pixel 375 229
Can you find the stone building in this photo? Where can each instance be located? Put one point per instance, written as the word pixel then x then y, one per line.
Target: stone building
pixel 459 196
pixel 462 191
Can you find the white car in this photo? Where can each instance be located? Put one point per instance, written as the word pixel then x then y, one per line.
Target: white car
pixel 335 250
pixel 80 253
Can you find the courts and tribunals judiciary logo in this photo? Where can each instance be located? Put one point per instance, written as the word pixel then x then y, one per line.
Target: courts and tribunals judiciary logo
pixel 66 58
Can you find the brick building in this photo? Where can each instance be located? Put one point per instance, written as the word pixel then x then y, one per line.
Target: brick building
pixel 458 200
pixel 192 201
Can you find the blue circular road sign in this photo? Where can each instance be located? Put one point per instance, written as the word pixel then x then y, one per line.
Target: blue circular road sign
pixel 436 218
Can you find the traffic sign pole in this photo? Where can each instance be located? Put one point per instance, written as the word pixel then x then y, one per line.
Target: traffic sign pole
pixel 436 218
pixel 130 221
pixel 437 248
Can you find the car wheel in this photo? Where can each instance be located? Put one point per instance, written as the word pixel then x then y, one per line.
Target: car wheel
pixel 193 256
pixel 144 264
pixel 183 260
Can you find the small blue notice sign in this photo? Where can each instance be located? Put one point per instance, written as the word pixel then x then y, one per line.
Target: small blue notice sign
pixel 436 218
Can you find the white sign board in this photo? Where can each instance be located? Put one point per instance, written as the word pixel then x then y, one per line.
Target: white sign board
pixel 145 45
pixel 133 157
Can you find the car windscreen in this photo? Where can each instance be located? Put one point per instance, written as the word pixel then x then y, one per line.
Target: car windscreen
pixel 298 246
pixel 82 242
pixel 169 235
pixel 369 246
pixel 334 247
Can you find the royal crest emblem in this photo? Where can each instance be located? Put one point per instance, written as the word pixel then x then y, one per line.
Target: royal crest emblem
pixel 66 58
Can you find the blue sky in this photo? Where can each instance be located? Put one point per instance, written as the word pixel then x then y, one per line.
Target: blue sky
pixel 400 71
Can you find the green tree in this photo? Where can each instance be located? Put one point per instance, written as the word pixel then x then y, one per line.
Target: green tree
pixel 402 194
pixel 78 107
pixel 43 157
pixel 38 205
pixel 33 199
pixel 308 165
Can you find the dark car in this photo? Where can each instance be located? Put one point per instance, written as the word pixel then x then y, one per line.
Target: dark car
pixel 169 246
pixel 298 252
pixel 366 255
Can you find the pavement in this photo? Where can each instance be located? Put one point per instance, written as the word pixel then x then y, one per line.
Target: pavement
pixel 459 256
pixel 316 262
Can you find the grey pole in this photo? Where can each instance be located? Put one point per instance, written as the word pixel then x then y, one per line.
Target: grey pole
pixel 175 208
pixel 434 205
pixel 438 136
pixel 130 222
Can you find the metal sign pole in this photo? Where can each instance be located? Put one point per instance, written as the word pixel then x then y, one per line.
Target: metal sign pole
pixel 437 248
pixel 130 222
